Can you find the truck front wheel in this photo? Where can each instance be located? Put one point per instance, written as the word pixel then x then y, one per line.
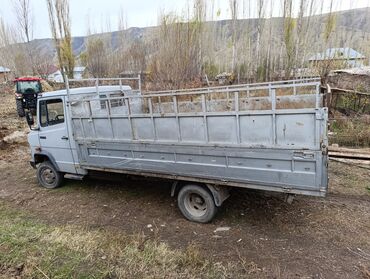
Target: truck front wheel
pixel 20 108
pixel 196 203
pixel 48 176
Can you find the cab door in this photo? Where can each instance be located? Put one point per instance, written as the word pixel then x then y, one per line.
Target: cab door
pixel 53 133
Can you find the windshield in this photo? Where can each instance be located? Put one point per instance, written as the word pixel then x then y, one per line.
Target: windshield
pixel 28 87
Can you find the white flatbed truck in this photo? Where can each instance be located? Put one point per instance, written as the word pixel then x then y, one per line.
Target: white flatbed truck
pixel 266 136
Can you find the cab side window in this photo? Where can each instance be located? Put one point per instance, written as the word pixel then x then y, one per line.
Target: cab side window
pixel 51 112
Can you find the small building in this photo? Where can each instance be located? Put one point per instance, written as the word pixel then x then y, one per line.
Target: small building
pixel 345 57
pixel 78 72
pixel 356 79
pixel 4 74
pixel 57 76
pixel 46 70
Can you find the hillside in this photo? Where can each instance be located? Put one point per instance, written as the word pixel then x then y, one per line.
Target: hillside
pixel 178 52
pixel 353 26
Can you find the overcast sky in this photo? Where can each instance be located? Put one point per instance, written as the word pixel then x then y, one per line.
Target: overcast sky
pixel 138 13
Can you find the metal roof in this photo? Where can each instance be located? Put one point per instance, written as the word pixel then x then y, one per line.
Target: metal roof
pixel 86 90
pixel 4 70
pixel 337 53
pixel 28 79
pixel 75 69
pixel 79 69
pixel 363 71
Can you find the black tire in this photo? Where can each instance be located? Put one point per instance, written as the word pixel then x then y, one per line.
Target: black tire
pixel 20 108
pixel 196 203
pixel 48 176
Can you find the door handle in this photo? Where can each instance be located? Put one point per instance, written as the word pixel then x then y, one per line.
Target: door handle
pixel 42 137
pixel 65 138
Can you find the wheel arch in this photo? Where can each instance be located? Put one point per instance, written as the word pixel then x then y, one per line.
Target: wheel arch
pixel 219 193
pixel 45 156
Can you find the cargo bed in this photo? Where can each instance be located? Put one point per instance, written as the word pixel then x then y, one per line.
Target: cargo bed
pixel 268 136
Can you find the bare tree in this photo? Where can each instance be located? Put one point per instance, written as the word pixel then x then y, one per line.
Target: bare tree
pixel 5 41
pixel 95 57
pixel 234 5
pixel 328 63
pixel 60 25
pixel 5 35
pixel 260 26
pixel 177 58
pixel 185 46
pixel 120 54
pixel 330 24
pixel 307 30
pixel 299 38
pixel 269 62
pixel 12 53
pixel 199 19
pixel 23 13
pixel 24 19
pixel 289 26
pixel 98 55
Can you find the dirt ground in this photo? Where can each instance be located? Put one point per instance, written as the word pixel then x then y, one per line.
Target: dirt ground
pixel 311 238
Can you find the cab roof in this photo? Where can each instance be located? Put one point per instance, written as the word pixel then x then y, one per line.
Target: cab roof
pixel 28 79
pixel 85 90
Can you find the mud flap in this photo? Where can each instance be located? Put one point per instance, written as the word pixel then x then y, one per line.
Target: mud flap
pixel 220 193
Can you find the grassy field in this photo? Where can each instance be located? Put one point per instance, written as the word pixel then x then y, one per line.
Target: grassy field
pixel 32 249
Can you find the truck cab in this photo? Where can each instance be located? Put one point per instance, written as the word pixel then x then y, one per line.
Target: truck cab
pixel 53 148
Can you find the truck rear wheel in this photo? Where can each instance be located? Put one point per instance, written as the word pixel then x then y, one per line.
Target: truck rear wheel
pixel 196 204
pixel 48 176
pixel 20 109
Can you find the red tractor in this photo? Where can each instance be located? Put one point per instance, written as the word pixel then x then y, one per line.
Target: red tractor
pixel 26 91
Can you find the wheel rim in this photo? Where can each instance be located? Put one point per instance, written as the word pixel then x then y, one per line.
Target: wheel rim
pixel 195 204
pixel 48 176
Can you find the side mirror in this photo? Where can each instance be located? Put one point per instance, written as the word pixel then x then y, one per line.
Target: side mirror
pixel 30 120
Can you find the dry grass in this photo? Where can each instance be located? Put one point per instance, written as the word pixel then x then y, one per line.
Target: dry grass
pixel 10 122
pixel 36 250
pixel 352 132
